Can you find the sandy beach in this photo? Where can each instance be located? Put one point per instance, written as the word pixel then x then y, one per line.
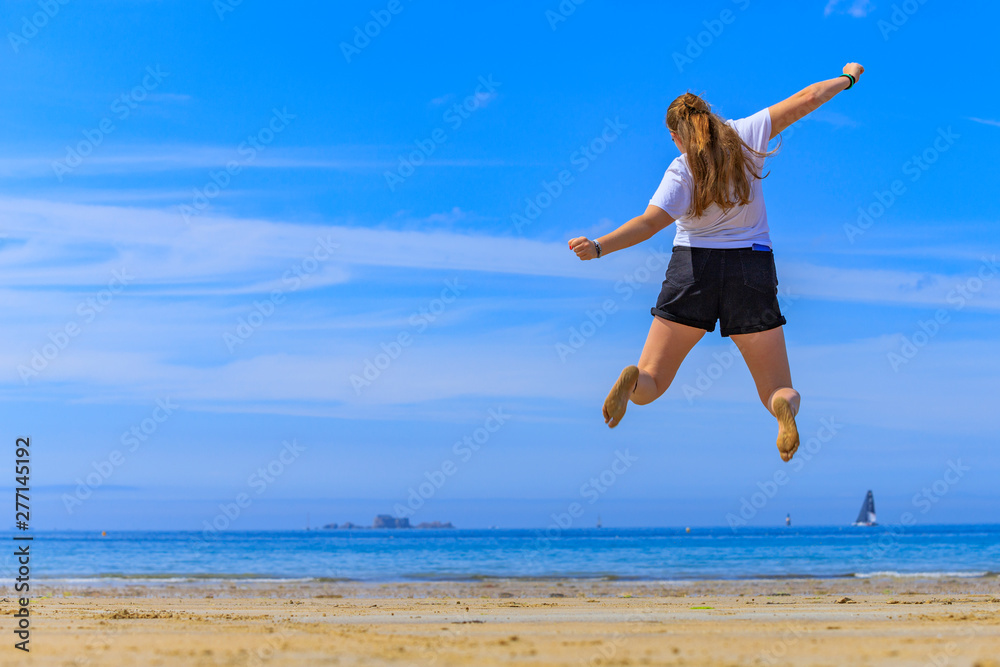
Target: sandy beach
pixel 876 621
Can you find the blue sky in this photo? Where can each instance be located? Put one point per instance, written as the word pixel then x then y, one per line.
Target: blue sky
pixel 213 216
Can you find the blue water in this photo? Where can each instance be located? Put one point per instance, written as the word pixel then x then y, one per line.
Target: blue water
pixel 662 554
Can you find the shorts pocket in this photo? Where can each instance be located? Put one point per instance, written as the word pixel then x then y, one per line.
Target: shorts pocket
pixel 759 272
pixel 686 266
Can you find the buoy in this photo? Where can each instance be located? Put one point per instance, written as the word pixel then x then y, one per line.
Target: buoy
pixel 687 530
pixel 104 533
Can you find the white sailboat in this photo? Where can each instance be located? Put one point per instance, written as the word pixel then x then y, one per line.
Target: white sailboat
pixel 866 517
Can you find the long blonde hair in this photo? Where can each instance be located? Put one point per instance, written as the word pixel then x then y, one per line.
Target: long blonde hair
pixel 721 162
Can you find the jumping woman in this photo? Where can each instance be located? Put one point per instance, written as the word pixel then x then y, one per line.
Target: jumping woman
pixel 722 265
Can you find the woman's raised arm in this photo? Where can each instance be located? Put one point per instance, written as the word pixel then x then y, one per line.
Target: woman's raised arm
pixel 810 98
pixel 636 230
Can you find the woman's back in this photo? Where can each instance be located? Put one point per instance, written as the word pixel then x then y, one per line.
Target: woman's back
pixel 738 227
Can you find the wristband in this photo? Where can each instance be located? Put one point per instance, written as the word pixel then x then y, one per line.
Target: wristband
pixel 852 79
pixel 597 247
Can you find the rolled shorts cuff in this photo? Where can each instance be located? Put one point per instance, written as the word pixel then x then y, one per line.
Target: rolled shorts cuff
pixel 682 320
pixel 757 328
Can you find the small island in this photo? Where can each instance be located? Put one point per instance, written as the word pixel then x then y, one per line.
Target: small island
pixel 389 521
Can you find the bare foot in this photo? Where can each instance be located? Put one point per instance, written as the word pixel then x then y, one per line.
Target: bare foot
pixel 617 400
pixel 788 432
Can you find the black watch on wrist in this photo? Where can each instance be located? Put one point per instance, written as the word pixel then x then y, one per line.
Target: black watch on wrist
pixel 597 247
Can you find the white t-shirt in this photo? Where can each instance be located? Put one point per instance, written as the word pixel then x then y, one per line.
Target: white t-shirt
pixel 740 226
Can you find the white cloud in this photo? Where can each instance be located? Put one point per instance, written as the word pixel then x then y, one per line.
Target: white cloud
pixel 833 118
pixel 857 8
pixel 897 287
pixel 154 159
pixel 853 381
pixel 985 121
pixel 223 255
pixel 163 334
pixel 443 99
pixel 44 238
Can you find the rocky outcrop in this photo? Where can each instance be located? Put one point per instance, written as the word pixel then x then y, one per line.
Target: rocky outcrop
pixel 388 521
pixel 435 524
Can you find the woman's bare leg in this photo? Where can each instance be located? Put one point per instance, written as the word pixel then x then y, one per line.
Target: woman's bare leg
pixel 767 359
pixel 666 346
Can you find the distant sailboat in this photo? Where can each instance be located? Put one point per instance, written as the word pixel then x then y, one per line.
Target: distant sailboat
pixel 866 517
pixel 598 520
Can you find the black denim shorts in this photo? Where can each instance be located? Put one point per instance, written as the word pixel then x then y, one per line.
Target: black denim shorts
pixel 736 286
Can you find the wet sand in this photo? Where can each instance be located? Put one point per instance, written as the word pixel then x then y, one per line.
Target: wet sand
pixel 890 621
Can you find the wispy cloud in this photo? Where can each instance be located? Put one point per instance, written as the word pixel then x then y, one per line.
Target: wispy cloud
pixel 984 121
pixel 201 278
pixel 153 159
pixel 896 287
pixel 43 241
pixel 44 238
pixel 444 99
pixel 857 8
pixel 833 118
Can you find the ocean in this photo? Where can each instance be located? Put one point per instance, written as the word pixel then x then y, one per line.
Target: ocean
pixel 660 554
